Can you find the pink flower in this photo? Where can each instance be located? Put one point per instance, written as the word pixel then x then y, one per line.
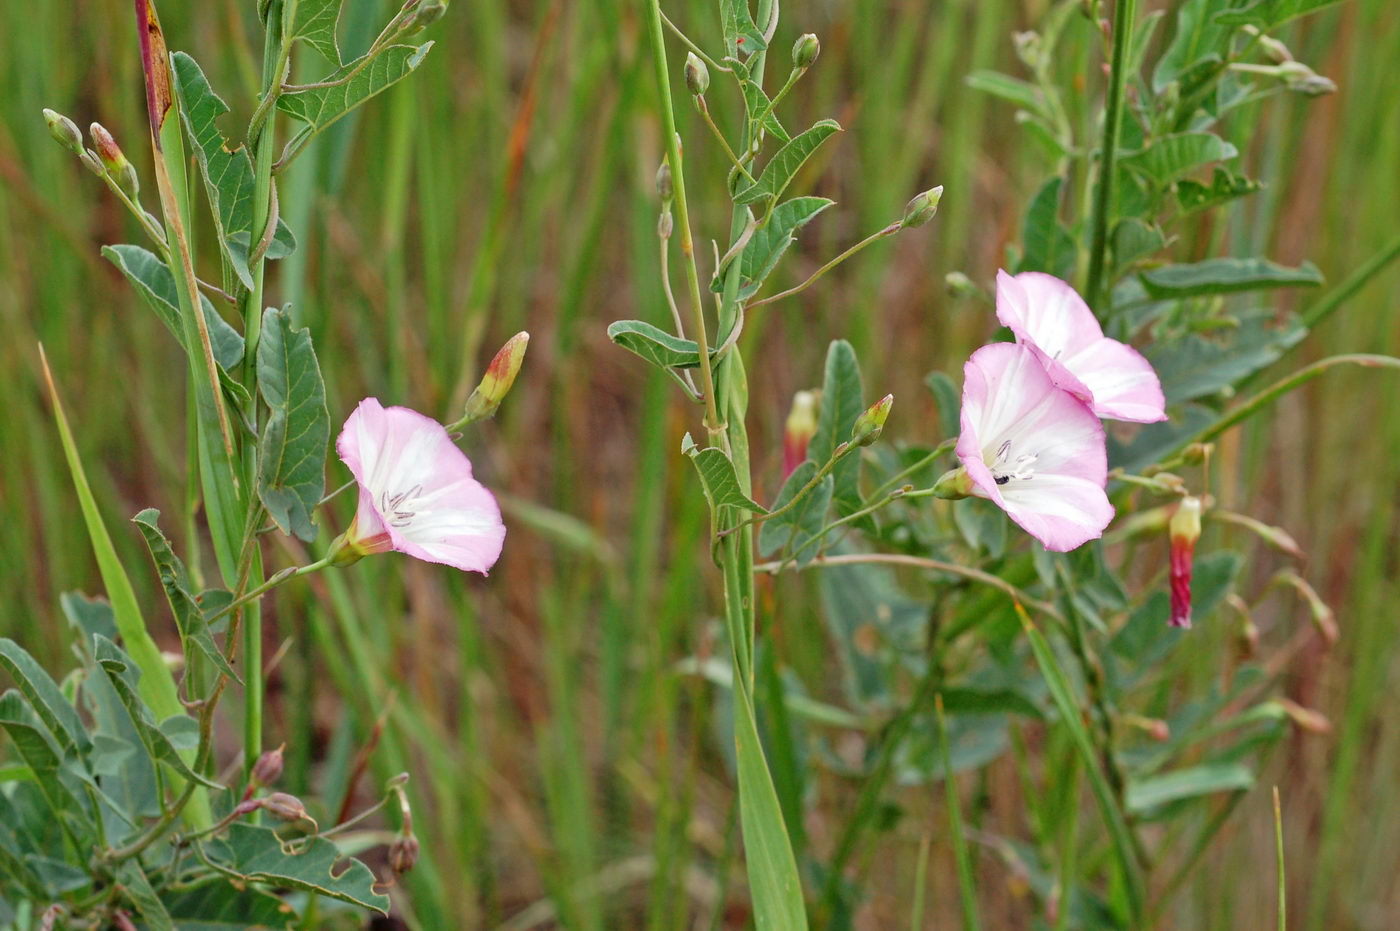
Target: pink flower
pixel 1050 317
pixel 417 494
pixel 1035 450
pixel 1184 530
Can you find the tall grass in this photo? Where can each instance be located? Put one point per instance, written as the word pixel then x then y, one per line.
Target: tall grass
pixel 566 768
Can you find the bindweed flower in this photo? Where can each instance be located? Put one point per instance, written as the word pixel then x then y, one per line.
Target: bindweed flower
pixel 801 426
pixel 417 493
pixel 115 163
pixel 1048 315
pixel 1184 529
pixel 1034 450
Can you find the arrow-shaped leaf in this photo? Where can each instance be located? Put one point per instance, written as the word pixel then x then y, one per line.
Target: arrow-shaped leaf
pixel 769 242
pixel 784 164
pixel 152 280
pixel 655 345
pixel 321 104
pixel 45 697
pixel 1225 276
pixel 717 476
pixel 292 452
pixel 314 23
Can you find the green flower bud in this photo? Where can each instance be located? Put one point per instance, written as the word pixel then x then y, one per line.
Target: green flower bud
pixel 922 208
pixel 871 423
pixel 664 186
pixel 429 12
pixel 497 381
pixel 64 131
pixel 697 76
pixel 805 50
pixel 953 484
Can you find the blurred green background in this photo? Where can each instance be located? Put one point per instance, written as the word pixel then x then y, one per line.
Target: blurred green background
pixel 564 771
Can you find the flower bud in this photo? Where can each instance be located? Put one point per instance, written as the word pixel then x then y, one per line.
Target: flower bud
pixel 497 381
pixel 428 12
pixel 1184 530
pixel 1276 537
pixel 665 225
pixel 1322 615
pixel 922 208
pixel 870 424
pixel 268 769
pixel 403 853
pixel 285 807
pixel 1314 722
pixel 953 484
pixel 805 50
pixel 64 131
pixel 1155 728
pixel 1301 79
pixel 801 426
pixel 664 186
pixel 697 76
pixel 1275 50
pixel 114 161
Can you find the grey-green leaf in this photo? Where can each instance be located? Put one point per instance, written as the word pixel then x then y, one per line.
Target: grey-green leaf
pixel 1135 239
pixel 755 102
pixel 137 887
pixel 1226 276
pixel 314 23
pixel 1225 186
pixel 717 476
pixel 1192 782
pixel 655 345
pixel 1021 93
pixel 153 281
pixel 347 87
pixel 45 697
pixel 1195 367
pixel 312 864
pixel 842 402
pixel 770 241
pixel 794 528
pixel 1168 158
pixel 737 23
pixel 194 629
pixel 1270 14
pixel 36 748
pixel 292 451
pixel 784 164
pixel 1048 246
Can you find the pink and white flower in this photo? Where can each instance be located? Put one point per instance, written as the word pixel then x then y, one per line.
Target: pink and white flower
pixel 1049 316
pixel 1035 450
pixel 417 493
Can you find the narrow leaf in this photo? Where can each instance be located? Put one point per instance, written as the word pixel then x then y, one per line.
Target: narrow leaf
pixel 769 242
pixel 1270 14
pixel 756 102
pixel 784 164
pixel 292 451
pixel 655 345
pixel 36 748
pixel 1048 246
pixel 842 402
pixel 138 890
pixel 1226 276
pixel 1224 187
pixel 346 88
pixel 1166 159
pixel 152 280
pixel 1021 93
pixel 1192 782
pixel 741 35
pixel 45 697
pixel 314 23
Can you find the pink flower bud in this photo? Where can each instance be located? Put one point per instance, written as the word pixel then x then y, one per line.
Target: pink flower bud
pixel 285 807
pixel 801 426
pixel 268 769
pixel 870 424
pixel 1184 530
pixel 497 382
pixel 114 161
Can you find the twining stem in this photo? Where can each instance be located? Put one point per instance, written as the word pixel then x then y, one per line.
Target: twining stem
pixel 723 142
pixel 840 453
pixel 280 578
pixel 1123 16
pixel 873 237
pixel 699 52
pixel 941 449
pixel 713 423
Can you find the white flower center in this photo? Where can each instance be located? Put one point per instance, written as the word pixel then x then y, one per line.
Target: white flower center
pixel 1004 468
pixel 400 509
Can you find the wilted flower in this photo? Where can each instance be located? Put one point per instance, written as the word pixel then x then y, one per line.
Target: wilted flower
pixel 1184 530
pixel 417 493
pixel 1035 450
pixel 403 853
pixel 268 768
pixel 1048 315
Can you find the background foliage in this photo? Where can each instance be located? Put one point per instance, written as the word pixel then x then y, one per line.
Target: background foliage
pixel 509 186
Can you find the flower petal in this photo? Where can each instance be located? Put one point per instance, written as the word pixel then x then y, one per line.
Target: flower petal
pixel 1122 384
pixel 1061 511
pixel 1043 310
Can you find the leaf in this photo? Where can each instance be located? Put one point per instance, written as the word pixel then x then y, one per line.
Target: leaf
pixel 717 476
pixel 1194 367
pixel 1270 14
pixel 311 864
pixel 1168 158
pixel 1192 782
pixel 1048 246
pixel 769 242
pixel 784 164
pixel 989 701
pixel 314 23
pixel 1021 93
pixel 292 451
pixel 35 747
pixel 755 102
pixel 138 890
pixel 796 527
pixel 122 674
pixel 1226 276
pixel 351 85
pixel 867 614
pixel 842 402
pixel 1224 187
pixel 224 906
pixel 1135 239
pixel 737 22
pixel 655 345
pixel 152 280
pixel 227 170
pixel 1198 40
pixel 45 697
pixel 189 617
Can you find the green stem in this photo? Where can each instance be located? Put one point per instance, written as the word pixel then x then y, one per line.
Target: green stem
pixel 281 578
pixel 1123 17
pixel 841 452
pixel 873 237
pixel 941 449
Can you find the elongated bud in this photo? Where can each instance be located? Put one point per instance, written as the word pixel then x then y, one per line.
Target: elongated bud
pixel 1028 48
pixel 1276 51
pixel 285 807
pixel 268 769
pixel 1301 79
pixel 1276 537
pixel 870 424
pixel 114 161
pixel 428 12
pixel 403 853
pixel 1155 728
pixel 801 426
pixel 953 484
pixel 1184 530
pixel 664 185
pixel 497 381
pixel 665 225
pixel 64 131
pixel 922 208
pixel 697 76
pixel 1322 615
pixel 805 50
pixel 1308 719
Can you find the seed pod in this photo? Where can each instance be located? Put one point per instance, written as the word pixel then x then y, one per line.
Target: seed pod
pixel 697 76
pixel 805 50
pixel 268 769
pixel 403 853
pixel 285 807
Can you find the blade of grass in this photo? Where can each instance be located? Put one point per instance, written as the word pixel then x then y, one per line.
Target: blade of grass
pixel 967 884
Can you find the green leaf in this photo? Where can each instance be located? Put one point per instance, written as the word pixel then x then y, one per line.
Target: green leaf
pixel 311 864
pixel 1194 367
pixel 1198 40
pixel 314 23
pixel 769 242
pixel 1168 158
pixel 194 629
pixel 223 906
pixel 842 402
pixel 351 85
pixel 1226 276
pixel 794 528
pixel 863 605
pixel 1048 246
pixel 655 345
pixel 45 697
pixel 1270 14
pixel 989 701
pixel 88 616
pixel 737 23
pixel 122 674
pixel 717 476
pixel 152 280
pixel 1224 187
pixel 36 748
pixel 1135 239
pixel 137 888
pixel 755 102
pixel 1192 782
pixel 784 164
pixel 292 451
pixel 228 171
pixel 1021 93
